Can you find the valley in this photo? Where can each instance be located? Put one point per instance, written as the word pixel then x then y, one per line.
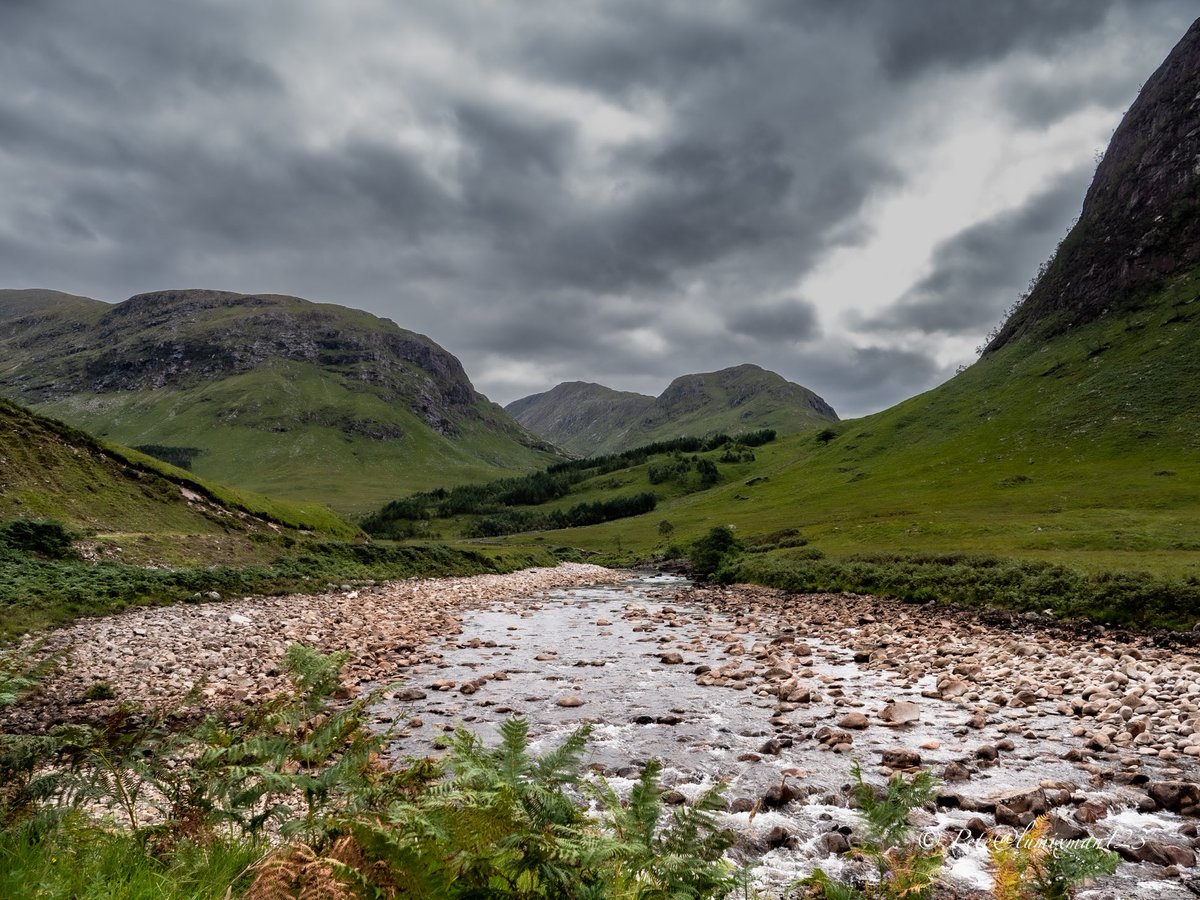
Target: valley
pixel 290 608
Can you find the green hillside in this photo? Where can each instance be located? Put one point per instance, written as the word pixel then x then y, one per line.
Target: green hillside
pixel 275 394
pixel 1073 440
pixel 118 497
pixel 588 419
pixel 1083 449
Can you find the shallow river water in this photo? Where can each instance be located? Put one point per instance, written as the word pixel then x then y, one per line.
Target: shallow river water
pixel 609 649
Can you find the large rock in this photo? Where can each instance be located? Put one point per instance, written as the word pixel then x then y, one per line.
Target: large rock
pixel 901 712
pixel 901 759
pixel 1176 796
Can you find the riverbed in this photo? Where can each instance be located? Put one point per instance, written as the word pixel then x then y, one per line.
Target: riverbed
pixel 776 696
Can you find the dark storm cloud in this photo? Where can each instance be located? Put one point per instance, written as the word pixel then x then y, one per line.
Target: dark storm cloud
pixel 615 191
pixel 979 272
pixel 791 319
pixel 953 34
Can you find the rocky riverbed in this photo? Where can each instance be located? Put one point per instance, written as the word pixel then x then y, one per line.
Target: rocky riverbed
pixel 771 693
pixel 236 648
pixel 776 694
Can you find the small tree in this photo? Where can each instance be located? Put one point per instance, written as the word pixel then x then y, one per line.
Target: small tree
pixel 712 556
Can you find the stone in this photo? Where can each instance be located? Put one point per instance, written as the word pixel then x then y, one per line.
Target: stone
pixel 1090 812
pixel 670 658
pixel 901 759
pixel 1022 800
pixel 780 837
pixel 854 720
pixel 1175 796
pixel 900 712
pixel 955 771
pixel 569 702
pixel 834 843
pixel 779 795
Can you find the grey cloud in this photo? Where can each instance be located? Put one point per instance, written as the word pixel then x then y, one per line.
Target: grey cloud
pixel 979 272
pixel 949 33
pixel 145 144
pixel 791 320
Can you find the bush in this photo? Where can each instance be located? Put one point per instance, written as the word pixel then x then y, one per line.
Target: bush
pixel 713 555
pixel 45 538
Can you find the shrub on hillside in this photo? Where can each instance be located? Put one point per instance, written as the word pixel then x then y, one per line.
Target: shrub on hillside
pixel 713 555
pixel 45 538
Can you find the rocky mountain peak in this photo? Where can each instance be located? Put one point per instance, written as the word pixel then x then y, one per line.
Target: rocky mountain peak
pixel 1140 221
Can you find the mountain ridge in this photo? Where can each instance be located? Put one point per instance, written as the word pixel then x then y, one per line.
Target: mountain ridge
pixel 589 418
pixel 279 394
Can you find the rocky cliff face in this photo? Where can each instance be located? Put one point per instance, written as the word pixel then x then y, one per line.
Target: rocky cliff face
pixel 1140 222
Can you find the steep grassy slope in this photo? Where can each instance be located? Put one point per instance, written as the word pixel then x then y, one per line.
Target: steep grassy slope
pixel 590 418
pixel 276 394
pixel 1082 449
pixel 122 498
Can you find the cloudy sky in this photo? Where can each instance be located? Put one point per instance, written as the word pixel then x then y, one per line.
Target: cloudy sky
pixel 849 192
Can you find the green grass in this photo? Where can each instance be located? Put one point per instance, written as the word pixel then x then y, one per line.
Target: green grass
pixel 279 430
pixel 83 860
pixel 297 400
pixel 53 471
pixel 1079 451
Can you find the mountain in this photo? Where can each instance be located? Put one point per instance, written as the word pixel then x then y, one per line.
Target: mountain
pixel 277 394
pixel 590 418
pixel 1140 223
pixel 119 497
pixel 1075 438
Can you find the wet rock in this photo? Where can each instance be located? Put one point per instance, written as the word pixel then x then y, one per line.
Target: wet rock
pixel 570 702
pixel 834 843
pixel 780 837
pixel 955 771
pixel 901 759
pixel 1012 818
pixel 900 712
pixel 1090 812
pixel 986 753
pixel 976 827
pixel 741 805
pixel 1061 829
pixel 410 693
pixel 775 745
pixel 853 720
pixel 1156 852
pixel 833 739
pixel 780 795
pixel 670 659
pixel 1175 796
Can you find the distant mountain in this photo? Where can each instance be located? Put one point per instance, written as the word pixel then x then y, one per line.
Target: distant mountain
pixel 292 398
pixel 590 418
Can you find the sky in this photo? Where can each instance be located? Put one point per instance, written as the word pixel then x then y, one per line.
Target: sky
pixel 849 193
